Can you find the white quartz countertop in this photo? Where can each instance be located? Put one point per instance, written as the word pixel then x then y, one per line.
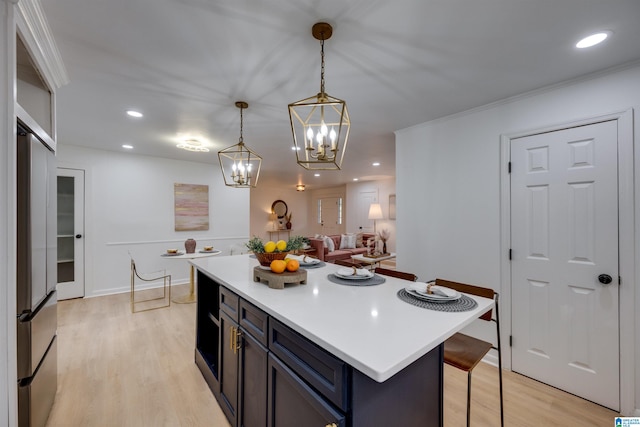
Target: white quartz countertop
pixel 368 327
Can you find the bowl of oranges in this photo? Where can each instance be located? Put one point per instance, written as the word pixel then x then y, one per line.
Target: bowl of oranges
pixel 271 251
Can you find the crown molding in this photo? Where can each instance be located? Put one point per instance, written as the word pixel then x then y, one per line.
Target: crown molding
pixel 34 30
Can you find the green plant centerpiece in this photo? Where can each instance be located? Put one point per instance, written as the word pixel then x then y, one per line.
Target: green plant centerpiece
pixel 269 251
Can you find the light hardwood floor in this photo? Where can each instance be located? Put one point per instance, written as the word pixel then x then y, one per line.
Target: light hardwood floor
pixel 121 369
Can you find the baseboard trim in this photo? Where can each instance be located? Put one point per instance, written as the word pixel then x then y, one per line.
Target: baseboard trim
pixel 127 289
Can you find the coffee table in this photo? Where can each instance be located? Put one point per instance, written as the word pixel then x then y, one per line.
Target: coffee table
pixel 361 259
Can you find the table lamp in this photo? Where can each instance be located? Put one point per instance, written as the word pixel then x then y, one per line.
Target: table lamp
pixel 273 217
pixel 375 212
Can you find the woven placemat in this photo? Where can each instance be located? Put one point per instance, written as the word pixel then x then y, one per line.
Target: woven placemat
pixel 375 280
pixel 465 303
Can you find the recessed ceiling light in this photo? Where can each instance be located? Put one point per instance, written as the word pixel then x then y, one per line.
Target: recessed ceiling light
pixel 134 113
pixel 355 179
pixel 316 174
pixel 593 39
pixel 375 164
pixel 127 146
pixel 294 148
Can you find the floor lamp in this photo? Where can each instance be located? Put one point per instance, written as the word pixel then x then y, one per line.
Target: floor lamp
pixel 375 212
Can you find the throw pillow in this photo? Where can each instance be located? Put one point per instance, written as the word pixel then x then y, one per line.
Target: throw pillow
pixel 359 243
pixel 328 243
pixel 348 241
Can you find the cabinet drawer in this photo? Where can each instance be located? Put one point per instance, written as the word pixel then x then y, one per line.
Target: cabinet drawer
pixel 229 303
pixel 291 402
pixel 254 321
pixel 323 371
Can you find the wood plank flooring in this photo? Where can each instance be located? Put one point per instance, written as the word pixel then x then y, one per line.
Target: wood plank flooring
pixel 121 369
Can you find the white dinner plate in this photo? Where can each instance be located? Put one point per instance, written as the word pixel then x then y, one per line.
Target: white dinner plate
pixel 421 288
pixel 431 297
pixel 176 254
pixel 352 276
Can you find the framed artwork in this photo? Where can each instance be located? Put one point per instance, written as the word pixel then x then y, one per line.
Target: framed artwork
pixel 392 206
pixel 191 207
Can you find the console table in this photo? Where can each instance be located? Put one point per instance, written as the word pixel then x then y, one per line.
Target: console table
pixel 286 233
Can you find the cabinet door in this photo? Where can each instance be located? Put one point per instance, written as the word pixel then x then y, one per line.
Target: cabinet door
pixel 253 383
pixel 228 368
pixel 292 403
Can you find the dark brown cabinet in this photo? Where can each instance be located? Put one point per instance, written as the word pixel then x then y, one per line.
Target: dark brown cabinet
pixel 293 403
pixel 263 373
pixel 253 383
pixel 229 357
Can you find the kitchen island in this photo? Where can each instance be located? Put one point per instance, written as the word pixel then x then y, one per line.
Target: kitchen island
pixel 319 353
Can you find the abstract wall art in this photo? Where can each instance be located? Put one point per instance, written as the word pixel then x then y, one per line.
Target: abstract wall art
pixel 191 207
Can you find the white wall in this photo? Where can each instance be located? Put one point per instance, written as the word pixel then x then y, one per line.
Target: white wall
pixel 383 188
pixel 262 197
pixel 129 206
pixel 448 179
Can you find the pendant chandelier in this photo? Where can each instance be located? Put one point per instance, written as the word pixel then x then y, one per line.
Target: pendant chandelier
pixel 320 124
pixel 240 165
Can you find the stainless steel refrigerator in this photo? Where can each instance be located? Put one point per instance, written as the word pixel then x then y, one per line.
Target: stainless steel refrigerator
pixel 36 279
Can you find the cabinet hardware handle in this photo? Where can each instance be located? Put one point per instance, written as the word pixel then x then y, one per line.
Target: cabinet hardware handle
pixel 232 337
pixel 238 341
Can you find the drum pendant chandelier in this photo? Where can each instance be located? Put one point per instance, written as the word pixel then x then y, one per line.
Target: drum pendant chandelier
pixel 320 124
pixel 240 165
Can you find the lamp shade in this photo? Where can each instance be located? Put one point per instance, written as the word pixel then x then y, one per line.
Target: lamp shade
pixel 375 211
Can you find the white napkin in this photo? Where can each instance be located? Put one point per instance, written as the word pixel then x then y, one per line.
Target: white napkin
pixel 304 259
pixel 346 271
pixel 435 290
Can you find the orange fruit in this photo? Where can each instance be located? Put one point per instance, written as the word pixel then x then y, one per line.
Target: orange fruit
pixel 293 265
pixel 278 266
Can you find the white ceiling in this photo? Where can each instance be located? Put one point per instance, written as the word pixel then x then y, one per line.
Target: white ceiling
pixel 397 63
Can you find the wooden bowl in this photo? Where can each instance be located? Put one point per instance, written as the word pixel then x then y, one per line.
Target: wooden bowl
pixel 265 259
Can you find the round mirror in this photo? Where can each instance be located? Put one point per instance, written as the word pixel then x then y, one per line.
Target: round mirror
pixel 279 208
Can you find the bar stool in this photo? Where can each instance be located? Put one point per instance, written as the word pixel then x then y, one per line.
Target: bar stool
pixel 464 352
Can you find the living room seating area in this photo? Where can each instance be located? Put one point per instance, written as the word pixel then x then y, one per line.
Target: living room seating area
pixel 340 246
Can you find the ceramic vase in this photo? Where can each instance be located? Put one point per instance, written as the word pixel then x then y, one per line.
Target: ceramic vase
pixel 190 246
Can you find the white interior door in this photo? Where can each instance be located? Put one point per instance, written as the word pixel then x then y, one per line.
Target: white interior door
pixel 365 199
pixel 70 233
pixel 330 215
pixel 564 208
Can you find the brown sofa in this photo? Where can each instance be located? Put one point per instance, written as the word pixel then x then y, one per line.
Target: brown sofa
pixel 322 252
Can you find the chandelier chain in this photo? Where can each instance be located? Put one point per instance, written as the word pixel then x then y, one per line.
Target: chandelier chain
pixel 241 140
pixel 322 65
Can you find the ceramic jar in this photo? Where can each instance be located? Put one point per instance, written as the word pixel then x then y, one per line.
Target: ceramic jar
pixel 190 246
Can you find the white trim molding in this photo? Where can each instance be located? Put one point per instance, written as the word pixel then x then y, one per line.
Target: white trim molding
pixel 34 30
pixel 627 247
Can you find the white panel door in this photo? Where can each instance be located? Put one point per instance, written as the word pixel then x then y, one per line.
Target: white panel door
pixel 365 199
pixel 564 208
pixel 70 233
pixel 330 212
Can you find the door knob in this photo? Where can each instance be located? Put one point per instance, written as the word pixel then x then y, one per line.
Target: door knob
pixel 78 236
pixel 605 279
